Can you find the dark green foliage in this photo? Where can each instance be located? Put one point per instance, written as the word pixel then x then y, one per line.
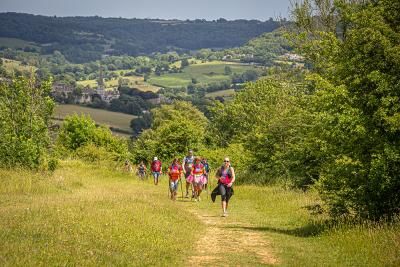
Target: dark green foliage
pixel 25 111
pixel 356 105
pixel 141 123
pixel 176 128
pixel 83 39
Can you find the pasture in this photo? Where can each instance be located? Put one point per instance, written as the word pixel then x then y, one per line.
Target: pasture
pixel 15 43
pixel 12 65
pixel 115 120
pixel 204 73
pixel 132 81
pixel 223 93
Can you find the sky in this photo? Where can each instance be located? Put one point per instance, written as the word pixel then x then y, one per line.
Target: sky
pixel 162 9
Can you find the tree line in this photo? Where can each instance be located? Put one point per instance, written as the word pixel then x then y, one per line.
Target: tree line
pixel 83 39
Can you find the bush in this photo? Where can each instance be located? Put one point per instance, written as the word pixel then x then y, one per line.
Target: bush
pixel 25 111
pixel 176 129
pixel 93 153
pixel 80 131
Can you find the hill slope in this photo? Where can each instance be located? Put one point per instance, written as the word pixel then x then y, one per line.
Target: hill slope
pixel 83 39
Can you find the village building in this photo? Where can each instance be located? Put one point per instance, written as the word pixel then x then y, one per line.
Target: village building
pixel 64 93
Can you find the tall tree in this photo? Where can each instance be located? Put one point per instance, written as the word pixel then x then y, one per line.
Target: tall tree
pixel 354 48
pixel 25 111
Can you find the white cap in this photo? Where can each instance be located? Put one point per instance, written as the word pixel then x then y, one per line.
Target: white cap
pixel 155 158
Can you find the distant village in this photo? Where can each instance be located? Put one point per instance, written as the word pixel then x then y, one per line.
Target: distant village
pixel 64 93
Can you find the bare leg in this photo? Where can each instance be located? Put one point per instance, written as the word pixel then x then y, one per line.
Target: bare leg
pixel 223 206
pixel 187 189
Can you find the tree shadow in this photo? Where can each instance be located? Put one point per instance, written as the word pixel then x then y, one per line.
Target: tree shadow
pixel 309 230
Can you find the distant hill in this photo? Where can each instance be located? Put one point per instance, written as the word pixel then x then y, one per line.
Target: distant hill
pixel 83 39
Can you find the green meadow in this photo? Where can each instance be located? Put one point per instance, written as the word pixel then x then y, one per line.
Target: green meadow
pixel 115 120
pixel 12 65
pixel 204 73
pixel 15 43
pixel 94 215
pixel 132 81
pixel 223 93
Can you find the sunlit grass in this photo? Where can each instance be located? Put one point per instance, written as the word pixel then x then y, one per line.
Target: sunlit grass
pixel 131 81
pixel 98 215
pixel 222 93
pixel 12 65
pixel 204 73
pixel 90 215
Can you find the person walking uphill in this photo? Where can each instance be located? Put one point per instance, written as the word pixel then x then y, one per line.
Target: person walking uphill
pixel 187 169
pixel 198 178
pixel 226 177
pixel 156 169
pixel 174 173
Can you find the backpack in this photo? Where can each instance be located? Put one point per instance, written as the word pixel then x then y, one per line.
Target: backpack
pixel 156 166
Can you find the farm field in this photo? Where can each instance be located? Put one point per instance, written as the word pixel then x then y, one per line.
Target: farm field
pixel 115 120
pixel 96 214
pixel 15 43
pixel 206 73
pixel 223 93
pixel 132 81
pixel 11 65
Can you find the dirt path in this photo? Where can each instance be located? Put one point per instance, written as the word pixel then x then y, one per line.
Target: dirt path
pixel 225 234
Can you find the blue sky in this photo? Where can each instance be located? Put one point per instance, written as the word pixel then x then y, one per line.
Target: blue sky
pixel 165 9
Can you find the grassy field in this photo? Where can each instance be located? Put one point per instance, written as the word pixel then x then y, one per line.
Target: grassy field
pixel 11 65
pixel 224 93
pixel 132 81
pixel 15 43
pixel 89 216
pixel 206 73
pixel 98 215
pixel 113 119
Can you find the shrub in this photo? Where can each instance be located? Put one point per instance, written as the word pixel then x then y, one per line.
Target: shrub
pixel 80 131
pixel 25 111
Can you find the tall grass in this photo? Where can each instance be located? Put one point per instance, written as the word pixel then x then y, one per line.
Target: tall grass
pixel 95 214
pixel 89 215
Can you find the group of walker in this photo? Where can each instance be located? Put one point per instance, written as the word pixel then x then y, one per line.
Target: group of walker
pixel 196 172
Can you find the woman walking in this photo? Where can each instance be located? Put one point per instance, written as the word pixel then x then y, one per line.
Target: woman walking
pixel 197 173
pixel 226 177
pixel 174 173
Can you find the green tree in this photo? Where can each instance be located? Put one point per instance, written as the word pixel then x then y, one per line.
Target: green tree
pixel 227 70
pixel 184 63
pixel 175 129
pixel 78 131
pixel 25 111
pixel 354 48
